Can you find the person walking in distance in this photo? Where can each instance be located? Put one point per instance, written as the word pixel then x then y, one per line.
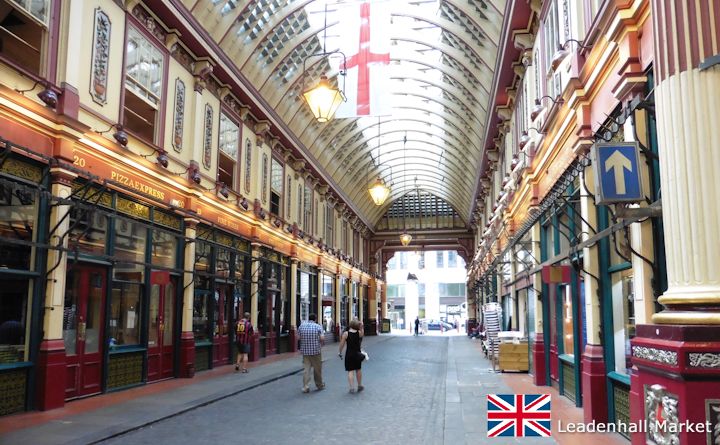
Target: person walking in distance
pixel 417 325
pixel 353 354
pixel 243 336
pixel 311 340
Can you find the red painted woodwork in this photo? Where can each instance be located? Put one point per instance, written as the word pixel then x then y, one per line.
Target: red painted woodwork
pixel 554 363
pixel 69 101
pixel 187 354
pixel 161 322
pixel 221 333
pixel 270 343
pixel 255 349
pixel 637 407
pixel 538 353
pixel 50 370
pixel 84 349
pixel 471 324
pixel 372 327
pixel 594 385
pixel 692 385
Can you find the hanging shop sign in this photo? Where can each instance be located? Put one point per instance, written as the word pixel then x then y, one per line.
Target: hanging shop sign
pixel 617 172
pixel 125 177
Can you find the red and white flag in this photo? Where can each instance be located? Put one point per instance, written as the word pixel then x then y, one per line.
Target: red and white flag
pixel 364 37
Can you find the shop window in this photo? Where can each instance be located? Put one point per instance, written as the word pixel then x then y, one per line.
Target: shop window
pixel 276 187
pixel 201 318
pixel 88 231
pixel 229 140
pixel 14 297
pixel 23 32
pixel 567 320
pixel 623 306
pixel 222 262
pixel 329 223
pixel 143 85
pixel 164 248
pixel 130 241
pixel 304 296
pixel 18 213
pixel 125 311
pixel 202 257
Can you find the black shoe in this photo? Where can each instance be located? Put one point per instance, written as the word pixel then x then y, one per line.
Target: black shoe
pixel 237 368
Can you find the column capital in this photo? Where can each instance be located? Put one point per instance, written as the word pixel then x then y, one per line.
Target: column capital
pixel 62 176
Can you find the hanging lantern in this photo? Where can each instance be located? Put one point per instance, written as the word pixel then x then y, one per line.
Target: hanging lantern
pixel 324 100
pixel 379 192
pixel 405 239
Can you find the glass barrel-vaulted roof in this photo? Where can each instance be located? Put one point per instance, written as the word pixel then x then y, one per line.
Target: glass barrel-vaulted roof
pixel 441 68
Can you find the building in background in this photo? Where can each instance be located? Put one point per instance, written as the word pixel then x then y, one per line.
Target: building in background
pixel 430 285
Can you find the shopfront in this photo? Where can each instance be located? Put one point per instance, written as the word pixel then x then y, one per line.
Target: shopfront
pixel 222 294
pixel 328 305
pixel 274 313
pixel 307 291
pixel 121 311
pixel 22 229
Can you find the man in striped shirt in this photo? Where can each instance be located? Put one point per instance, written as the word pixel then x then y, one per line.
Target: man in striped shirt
pixel 243 337
pixel 311 340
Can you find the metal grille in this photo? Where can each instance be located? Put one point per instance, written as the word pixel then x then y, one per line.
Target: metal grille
pixel 621 402
pixel 12 391
pixel 569 381
pixel 202 358
pixel 290 27
pixel 125 369
pixel 413 207
pixel 451 13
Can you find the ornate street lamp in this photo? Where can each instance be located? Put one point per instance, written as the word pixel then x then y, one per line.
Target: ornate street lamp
pixel 379 192
pixel 324 99
pixel 405 239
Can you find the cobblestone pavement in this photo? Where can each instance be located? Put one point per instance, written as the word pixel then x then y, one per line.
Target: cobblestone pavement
pixel 419 390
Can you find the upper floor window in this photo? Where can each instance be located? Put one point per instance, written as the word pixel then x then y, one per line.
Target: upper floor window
pixel 276 186
pixel 344 237
pixel 552 40
pixel 329 223
pixel 403 260
pixel 440 263
pixel 143 85
pixel 421 261
pixel 452 258
pixel 299 202
pixel 307 207
pixel 228 143
pixel 248 165
pixel 288 211
pixel 316 217
pixel 23 32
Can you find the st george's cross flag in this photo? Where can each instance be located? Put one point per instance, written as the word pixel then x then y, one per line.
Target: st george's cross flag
pixel 518 415
pixel 364 37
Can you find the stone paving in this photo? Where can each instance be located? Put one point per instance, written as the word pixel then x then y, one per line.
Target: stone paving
pixel 419 390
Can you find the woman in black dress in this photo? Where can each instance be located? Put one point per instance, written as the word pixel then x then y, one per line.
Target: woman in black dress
pixel 353 357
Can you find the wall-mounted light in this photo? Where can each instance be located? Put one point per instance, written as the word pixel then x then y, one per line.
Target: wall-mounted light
pixel 562 52
pixel 244 203
pixel 162 159
pixel 48 96
pixel 539 107
pixel 120 136
pixel 194 174
pixel 525 138
pixel 222 189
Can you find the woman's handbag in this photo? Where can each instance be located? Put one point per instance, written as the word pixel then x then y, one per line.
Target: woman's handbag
pixel 365 355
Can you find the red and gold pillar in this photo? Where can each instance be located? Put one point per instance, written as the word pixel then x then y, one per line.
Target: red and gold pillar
pixel 678 356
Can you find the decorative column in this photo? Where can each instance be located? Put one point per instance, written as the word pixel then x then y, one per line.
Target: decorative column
pixel 538 342
pixel 187 338
pixel 383 299
pixel 254 289
pixel 51 357
pixel 293 304
pixel 678 357
pixel 372 321
pixel 594 378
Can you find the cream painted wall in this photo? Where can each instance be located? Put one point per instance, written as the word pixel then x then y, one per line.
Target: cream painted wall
pixel 80 64
pixel 178 72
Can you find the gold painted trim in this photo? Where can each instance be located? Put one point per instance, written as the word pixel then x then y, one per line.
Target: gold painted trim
pixel 686 317
pixel 713 300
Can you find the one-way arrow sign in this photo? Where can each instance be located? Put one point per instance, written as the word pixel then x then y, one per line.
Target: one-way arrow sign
pixel 617 172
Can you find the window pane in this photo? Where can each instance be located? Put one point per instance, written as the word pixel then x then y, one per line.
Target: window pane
pixel 623 297
pixel 144 67
pixel 202 256
pixel 93 324
pixel 125 304
pixel 154 318
pixel 229 137
pixel 17 220
pixel 88 231
pixel 130 240
pixel 567 314
pixel 201 321
pixel 13 321
pixel 276 176
pixel 169 302
pixel 164 248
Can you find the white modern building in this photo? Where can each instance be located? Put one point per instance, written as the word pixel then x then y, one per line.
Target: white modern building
pixel 430 285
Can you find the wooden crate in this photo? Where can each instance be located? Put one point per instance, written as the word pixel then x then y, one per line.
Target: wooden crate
pixel 514 356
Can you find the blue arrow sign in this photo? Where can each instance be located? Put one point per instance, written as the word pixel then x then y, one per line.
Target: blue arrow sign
pixel 617 173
